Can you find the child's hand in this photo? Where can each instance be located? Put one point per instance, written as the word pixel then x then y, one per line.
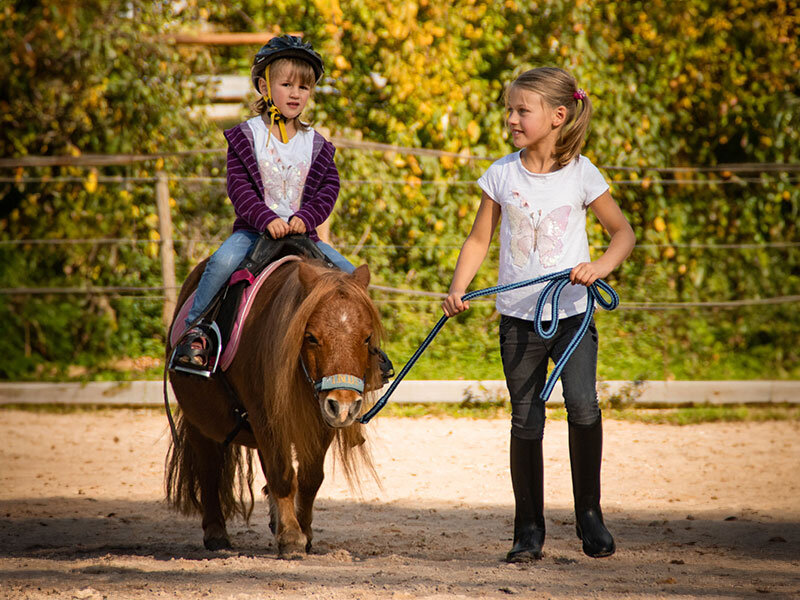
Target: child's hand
pixel 278 228
pixel 587 273
pixel 453 305
pixel 296 225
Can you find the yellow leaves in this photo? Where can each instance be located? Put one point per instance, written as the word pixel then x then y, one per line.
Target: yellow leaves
pixel 424 39
pixel 682 269
pixel 341 63
pixel 659 224
pixel 473 130
pixel 90 183
pixel 398 30
pixel 669 252
pixel 414 164
pixel 438 226
pixel 472 33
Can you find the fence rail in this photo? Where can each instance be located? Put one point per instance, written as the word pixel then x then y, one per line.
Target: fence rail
pixel 168 291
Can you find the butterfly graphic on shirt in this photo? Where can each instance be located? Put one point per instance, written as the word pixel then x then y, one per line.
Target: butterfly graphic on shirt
pixel 282 182
pixel 536 233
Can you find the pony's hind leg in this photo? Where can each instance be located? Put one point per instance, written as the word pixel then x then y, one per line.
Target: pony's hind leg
pixel 310 475
pixel 273 511
pixel 210 462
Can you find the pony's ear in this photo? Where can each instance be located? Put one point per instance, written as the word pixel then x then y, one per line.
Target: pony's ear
pixel 362 275
pixel 307 275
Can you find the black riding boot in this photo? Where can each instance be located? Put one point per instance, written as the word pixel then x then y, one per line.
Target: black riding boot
pixel 527 473
pixel 586 454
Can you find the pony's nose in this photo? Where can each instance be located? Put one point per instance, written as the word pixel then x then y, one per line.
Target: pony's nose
pixel 340 408
pixel 355 408
pixel 332 407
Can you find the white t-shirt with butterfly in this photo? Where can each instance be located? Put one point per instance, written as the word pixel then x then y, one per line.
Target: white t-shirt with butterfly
pixel 283 167
pixel 543 229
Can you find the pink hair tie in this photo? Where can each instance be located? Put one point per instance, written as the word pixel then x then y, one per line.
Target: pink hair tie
pixel 579 94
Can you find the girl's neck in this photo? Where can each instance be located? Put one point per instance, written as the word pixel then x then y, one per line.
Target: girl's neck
pixel 538 159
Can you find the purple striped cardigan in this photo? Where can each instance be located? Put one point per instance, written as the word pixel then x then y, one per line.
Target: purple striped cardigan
pixel 246 190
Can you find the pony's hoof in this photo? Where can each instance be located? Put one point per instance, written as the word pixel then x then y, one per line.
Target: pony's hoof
pixel 292 553
pixel 293 547
pixel 217 543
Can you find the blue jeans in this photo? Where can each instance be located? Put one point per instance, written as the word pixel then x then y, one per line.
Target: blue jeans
pixel 339 261
pixel 224 261
pixel 525 356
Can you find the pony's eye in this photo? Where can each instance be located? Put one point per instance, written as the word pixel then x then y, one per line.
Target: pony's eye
pixel 311 339
pixel 368 340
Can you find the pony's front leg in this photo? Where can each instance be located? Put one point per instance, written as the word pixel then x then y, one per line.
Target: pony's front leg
pixel 282 483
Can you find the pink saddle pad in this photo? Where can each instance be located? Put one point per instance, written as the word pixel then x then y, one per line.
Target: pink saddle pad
pixel 229 351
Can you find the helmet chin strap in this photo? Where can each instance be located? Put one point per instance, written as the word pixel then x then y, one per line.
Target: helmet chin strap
pixel 275 115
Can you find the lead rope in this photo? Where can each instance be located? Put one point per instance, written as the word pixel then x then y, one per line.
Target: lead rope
pixel 557 281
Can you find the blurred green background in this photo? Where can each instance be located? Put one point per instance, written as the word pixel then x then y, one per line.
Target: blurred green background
pixel 697 128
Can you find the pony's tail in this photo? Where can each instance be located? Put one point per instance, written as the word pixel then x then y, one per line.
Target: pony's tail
pixel 184 468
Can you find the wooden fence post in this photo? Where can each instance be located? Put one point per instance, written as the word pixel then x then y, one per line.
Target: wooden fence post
pixel 167 252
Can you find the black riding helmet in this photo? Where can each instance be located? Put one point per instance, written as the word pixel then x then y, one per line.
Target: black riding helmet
pixel 285 46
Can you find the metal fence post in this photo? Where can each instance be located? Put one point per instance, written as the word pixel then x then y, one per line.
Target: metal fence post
pixel 167 252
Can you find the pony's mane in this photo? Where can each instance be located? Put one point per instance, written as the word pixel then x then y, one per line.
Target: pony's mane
pixel 293 415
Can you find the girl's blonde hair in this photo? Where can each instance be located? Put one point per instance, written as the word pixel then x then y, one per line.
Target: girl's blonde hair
pixel 559 88
pixel 297 68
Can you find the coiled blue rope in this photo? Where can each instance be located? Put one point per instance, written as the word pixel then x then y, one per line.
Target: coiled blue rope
pixel 556 284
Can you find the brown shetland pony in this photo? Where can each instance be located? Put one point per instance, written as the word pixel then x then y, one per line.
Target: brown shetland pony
pixel 303 311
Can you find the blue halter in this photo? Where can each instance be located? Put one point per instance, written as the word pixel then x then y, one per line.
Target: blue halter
pixel 339 381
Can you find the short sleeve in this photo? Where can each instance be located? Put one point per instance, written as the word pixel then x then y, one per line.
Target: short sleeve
pixel 593 182
pixel 490 182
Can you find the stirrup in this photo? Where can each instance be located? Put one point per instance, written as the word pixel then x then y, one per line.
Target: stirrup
pixel 201 361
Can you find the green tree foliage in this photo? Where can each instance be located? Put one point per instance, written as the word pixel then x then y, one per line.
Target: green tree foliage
pixel 674 84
